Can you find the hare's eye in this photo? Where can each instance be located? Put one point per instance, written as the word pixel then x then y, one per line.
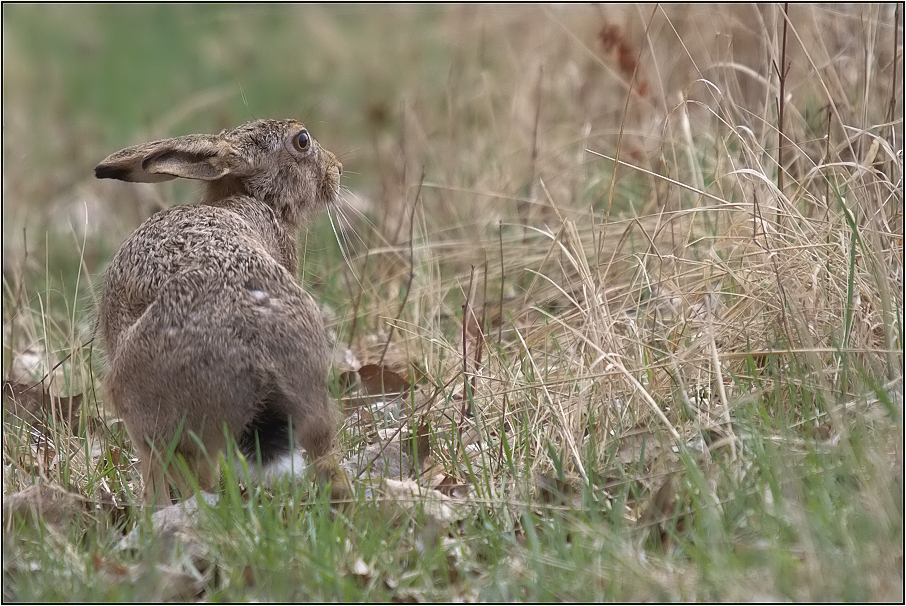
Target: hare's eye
pixel 302 141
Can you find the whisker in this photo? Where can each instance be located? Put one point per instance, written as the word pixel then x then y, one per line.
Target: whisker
pixel 371 224
pixel 347 153
pixel 360 213
pixel 343 230
pixel 342 217
pixel 340 244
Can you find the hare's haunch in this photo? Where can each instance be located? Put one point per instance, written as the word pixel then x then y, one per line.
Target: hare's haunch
pixel 208 335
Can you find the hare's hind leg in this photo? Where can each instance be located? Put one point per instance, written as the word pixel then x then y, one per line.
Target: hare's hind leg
pixel 156 489
pixel 316 433
pixel 313 428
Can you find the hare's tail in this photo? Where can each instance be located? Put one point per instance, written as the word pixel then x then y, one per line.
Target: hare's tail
pixel 267 437
pixel 270 442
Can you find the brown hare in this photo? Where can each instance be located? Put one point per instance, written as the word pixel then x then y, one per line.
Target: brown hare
pixel 208 335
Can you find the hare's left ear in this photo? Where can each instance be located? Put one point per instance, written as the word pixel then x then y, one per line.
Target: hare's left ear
pixel 192 157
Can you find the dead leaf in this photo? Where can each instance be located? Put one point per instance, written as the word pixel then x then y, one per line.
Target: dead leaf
pixel 450 487
pixel 661 505
pixel 407 493
pixel 378 380
pixel 386 459
pixel 409 596
pixel 613 38
pixel 174 526
pixel 50 456
pixel 37 457
pixel 114 571
pixel 374 350
pixel 418 445
pixel 644 450
pixel 248 575
pixel 823 432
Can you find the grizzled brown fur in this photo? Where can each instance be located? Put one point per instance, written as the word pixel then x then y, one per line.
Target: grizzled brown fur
pixel 207 331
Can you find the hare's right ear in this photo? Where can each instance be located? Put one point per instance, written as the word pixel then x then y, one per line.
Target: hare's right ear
pixel 191 157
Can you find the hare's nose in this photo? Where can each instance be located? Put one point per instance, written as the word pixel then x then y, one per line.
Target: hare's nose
pixel 339 168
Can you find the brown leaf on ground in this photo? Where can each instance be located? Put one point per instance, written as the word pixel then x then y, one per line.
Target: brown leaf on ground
pixel 662 503
pixel 362 570
pixel 46 502
pixel 378 380
pixel 38 458
pixel 373 349
pixel 418 445
pixel 823 432
pixel 644 448
pixel 409 596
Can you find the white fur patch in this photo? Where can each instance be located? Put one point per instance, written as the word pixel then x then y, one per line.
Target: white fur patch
pixel 285 467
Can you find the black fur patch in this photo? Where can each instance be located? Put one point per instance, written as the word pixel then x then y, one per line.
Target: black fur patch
pixel 112 172
pixel 268 433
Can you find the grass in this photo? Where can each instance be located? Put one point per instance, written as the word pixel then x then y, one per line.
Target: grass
pixel 689 384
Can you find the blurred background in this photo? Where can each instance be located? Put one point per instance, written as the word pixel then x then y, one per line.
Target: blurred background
pixel 85 81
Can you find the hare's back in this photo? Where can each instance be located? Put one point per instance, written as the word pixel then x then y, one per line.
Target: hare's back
pixel 222 248
pixel 195 274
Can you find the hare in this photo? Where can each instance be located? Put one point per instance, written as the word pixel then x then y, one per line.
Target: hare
pixel 208 335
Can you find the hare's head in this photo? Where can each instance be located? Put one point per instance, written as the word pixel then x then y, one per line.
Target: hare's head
pixel 275 161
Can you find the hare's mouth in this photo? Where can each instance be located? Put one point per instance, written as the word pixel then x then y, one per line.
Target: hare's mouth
pixel 330 187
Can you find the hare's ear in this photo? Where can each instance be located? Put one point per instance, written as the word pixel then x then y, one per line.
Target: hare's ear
pixel 191 157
